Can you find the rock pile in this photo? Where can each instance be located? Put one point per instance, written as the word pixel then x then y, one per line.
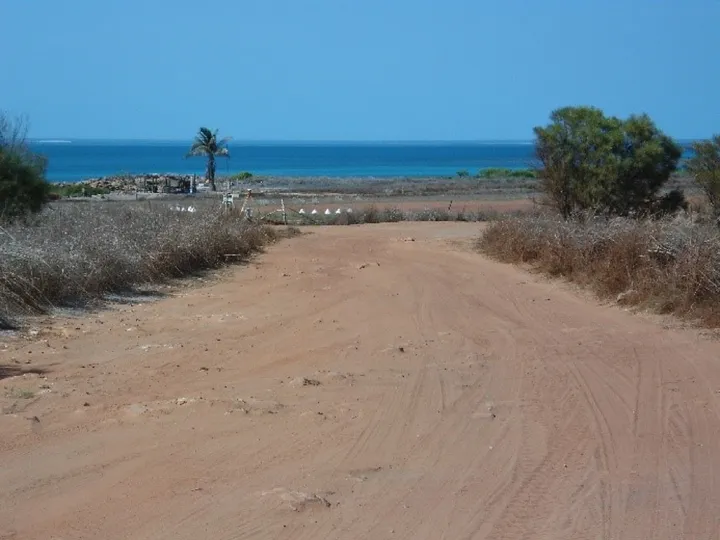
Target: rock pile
pixel 151 182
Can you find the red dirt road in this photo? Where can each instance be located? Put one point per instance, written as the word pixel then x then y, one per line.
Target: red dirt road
pixel 354 384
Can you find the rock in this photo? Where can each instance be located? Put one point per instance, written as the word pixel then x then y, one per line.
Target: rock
pixel 304 381
pixel 300 501
pixel 136 409
pixel 256 406
pixel 151 182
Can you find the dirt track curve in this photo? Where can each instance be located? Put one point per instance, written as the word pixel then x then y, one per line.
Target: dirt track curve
pixel 354 384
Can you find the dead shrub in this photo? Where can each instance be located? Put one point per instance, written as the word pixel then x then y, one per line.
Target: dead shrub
pixel 671 265
pixel 75 254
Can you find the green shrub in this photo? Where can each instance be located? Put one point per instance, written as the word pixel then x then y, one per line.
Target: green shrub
pixel 704 166
pixel 23 189
pixel 78 190
pixel 594 162
pixel 242 176
pixel 496 172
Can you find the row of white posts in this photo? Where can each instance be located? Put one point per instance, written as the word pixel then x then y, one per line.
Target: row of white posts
pixel 327 211
pixel 178 208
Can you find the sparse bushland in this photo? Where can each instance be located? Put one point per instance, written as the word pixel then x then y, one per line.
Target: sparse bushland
pixel 23 188
pixel 73 254
pixel 671 265
pixel 592 162
pixel 611 226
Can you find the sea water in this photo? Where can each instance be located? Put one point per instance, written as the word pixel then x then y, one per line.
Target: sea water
pixel 77 160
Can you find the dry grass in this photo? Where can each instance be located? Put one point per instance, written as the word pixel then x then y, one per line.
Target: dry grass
pixel 75 254
pixel 390 214
pixel 670 265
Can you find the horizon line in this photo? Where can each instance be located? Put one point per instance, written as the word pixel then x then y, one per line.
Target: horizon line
pixel 312 141
pixel 61 140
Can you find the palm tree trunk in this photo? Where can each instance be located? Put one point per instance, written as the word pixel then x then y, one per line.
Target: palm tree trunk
pixel 211 172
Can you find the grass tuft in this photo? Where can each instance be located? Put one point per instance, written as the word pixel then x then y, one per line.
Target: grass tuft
pixel 20 393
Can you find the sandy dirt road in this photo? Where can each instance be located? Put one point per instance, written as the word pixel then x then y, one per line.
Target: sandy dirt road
pixel 354 384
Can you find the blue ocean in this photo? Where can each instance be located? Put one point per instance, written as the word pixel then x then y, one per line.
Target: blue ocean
pixel 78 160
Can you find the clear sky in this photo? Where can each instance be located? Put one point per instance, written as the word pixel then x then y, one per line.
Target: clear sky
pixel 354 69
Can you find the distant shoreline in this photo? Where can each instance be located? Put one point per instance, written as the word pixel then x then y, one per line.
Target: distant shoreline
pixel 273 179
pixel 157 185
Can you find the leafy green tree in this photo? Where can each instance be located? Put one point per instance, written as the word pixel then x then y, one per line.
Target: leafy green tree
pixel 206 144
pixel 705 167
pixel 23 188
pixel 590 161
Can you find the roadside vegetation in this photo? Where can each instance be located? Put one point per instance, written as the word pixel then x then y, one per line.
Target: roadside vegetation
pixel 607 221
pixel 77 254
pixel 671 265
pixel 390 214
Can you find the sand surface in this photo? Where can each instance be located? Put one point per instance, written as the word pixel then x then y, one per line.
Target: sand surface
pixel 370 382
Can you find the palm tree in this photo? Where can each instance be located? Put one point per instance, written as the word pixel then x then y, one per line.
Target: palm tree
pixel 207 144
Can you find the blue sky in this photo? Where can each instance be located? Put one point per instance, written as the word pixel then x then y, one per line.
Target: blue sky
pixel 354 69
